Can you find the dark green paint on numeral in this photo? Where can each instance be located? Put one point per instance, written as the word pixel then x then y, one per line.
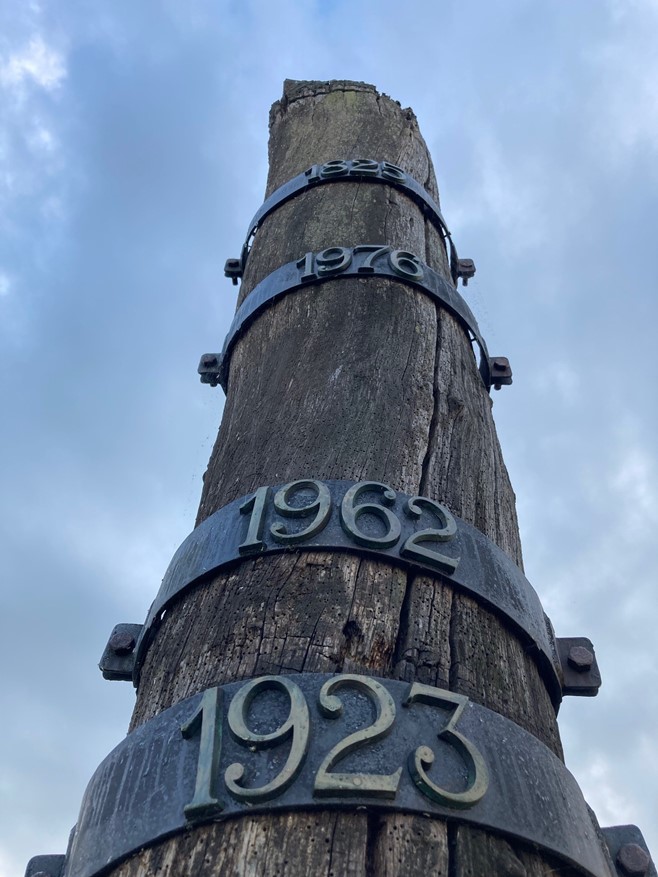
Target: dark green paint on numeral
pixel 207 721
pixel 256 505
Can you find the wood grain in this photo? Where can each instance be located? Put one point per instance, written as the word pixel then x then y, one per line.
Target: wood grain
pixel 355 379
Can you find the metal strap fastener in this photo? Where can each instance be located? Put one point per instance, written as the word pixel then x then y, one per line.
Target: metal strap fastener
pixel 580 670
pixel 320 742
pixel 46 866
pixel 118 659
pixel 583 681
pixel 467 558
pixel 629 851
pixel 364 260
pixel 350 171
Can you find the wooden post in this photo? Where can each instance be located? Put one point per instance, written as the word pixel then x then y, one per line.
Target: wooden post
pixel 353 379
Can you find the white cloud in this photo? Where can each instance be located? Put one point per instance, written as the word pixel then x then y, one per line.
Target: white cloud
pixel 635 483
pixel 562 380
pixel 626 68
pixel 509 193
pixel 37 62
pixel 7 865
pixel 40 138
pixel 5 285
pixel 598 783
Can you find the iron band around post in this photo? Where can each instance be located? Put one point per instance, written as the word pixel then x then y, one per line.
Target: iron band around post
pixel 368 518
pixel 350 171
pixel 318 742
pixel 364 260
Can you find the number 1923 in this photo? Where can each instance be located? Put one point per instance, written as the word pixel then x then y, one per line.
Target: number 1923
pixel 207 723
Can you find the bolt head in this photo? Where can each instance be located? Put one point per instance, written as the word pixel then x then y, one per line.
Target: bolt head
pixel 633 860
pixel 122 643
pixel 580 658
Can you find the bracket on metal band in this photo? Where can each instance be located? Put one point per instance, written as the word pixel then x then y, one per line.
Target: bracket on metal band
pixel 580 670
pixel 350 171
pixel 629 851
pixel 364 260
pixel 46 866
pixel 430 751
pixel 253 526
pixel 118 659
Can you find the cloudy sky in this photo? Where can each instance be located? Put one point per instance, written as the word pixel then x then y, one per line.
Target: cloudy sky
pixel 132 155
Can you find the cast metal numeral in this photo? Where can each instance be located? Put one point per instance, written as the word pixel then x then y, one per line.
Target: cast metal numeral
pixel 207 721
pixel 373 250
pixel 321 505
pixel 333 260
pixel 393 172
pixel 256 505
pixel 336 168
pixel 357 167
pixel 319 509
pixel 344 784
pixel 423 757
pixel 365 167
pixel 297 726
pixel 412 547
pixel 350 514
pixel 307 264
pixel 406 264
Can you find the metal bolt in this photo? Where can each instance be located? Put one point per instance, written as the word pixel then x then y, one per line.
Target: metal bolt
pixel 633 860
pixel 122 643
pixel 580 658
pixel 465 270
pixel 208 359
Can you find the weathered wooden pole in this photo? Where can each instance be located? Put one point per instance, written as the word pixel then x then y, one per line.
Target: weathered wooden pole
pixel 363 379
pixel 357 521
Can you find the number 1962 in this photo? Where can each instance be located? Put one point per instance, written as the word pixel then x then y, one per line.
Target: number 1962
pixel 207 723
pixel 351 512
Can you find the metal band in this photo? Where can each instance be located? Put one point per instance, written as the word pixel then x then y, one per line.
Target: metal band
pixel 365 260
pixel 351 171
pixel 309 742
pixel 467 558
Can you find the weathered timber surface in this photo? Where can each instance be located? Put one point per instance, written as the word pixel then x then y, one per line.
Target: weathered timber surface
pixel 362 379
